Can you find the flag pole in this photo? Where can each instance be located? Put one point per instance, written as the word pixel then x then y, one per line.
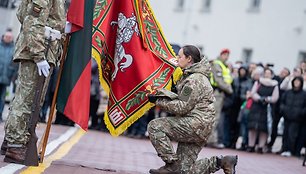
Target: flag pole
pixel 44 139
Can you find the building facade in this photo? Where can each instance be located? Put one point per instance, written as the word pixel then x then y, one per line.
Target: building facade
pixel 266 31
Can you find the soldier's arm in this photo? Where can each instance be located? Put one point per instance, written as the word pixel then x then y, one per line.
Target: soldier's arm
pixel 284 85
pixel 58 15
pixel 217 73
pixel 187 99
pixel 34 27
pixel 22 11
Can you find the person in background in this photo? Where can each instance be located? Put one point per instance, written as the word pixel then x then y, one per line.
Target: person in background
pixel 251 68
pixel 221 81
pixel 293 107
pixel 95 96
pixel 303 66
pixel 285 72
pixel 241 85
pixel 49 96
pixel 243 118
pixel 138 129
pixel 7 68
pixel 304 77
pixel 286 83
pixel 264 93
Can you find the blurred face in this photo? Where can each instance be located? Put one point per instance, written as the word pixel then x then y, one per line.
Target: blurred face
pixel 268 74
pixel 297 84
pixel 256 76
pixel 183 61
pixel 8 37
pixel 242 72
pixel 224 56
pixel 252 66
pixel 303 65
pixel 284 73
pixel 297 72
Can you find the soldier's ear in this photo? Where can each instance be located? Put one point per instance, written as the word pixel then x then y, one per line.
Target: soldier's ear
pixel 189 59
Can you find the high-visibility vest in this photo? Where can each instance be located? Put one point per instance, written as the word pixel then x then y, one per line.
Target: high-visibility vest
pixel 226 74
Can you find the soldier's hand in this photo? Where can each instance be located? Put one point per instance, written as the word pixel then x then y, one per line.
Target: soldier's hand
pixel 43 67
pixel 152 98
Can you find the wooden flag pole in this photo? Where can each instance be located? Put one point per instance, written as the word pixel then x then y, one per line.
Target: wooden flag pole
pixel 44 139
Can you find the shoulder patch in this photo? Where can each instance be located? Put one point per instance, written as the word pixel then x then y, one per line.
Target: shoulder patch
pixel 36 9
pixel 186 93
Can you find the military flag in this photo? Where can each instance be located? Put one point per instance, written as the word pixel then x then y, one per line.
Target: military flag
pixel 134 58
pixel 74 90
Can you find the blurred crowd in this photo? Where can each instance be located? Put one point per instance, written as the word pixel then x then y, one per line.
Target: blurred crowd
pixel 263 106
pixel 254 103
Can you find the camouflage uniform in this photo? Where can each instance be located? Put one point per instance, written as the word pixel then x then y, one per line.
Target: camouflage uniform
pixel 219 95
pixel 33 15
pixel 195 113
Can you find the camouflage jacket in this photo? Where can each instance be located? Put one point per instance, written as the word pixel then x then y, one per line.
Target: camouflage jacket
pixel 34 15
pixel 195 94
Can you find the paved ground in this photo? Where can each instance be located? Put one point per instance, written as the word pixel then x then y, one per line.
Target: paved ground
pixel 99 153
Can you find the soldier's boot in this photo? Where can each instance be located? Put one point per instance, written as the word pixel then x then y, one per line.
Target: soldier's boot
pixel 228 164
pixel 3 147
pixel 169 168
pixel 15 155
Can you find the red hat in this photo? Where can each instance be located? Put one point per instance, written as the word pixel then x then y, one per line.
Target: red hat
pixel 225 50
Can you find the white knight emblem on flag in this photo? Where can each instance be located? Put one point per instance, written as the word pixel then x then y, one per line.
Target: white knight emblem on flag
pixel 125 31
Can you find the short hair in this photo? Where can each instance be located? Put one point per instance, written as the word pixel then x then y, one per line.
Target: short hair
pixel 9 30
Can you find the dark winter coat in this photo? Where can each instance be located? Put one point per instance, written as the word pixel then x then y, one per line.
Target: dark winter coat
pixel 7 69
pixel 265 88
pixel 293 104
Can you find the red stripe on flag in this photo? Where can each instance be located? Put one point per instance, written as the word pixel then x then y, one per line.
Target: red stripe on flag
pixel 77 107
pixel 75 14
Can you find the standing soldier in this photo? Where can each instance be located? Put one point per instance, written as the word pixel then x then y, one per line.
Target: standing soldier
pixel 221 81
pixel 192 124
pixel 38 18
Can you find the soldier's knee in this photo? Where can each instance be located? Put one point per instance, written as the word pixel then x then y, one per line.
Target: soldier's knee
pixel 154 126
pixel 151 126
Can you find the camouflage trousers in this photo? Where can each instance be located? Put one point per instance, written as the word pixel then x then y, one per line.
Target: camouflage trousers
pixel 17 123
pixel 163 130
pixel 214 137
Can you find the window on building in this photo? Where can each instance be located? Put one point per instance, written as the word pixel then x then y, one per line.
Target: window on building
pixel 247 55
pixel 206 5
pixel 302 56
pixel 180 5
pixel 11 4
pixel 254 5
pixel 4 3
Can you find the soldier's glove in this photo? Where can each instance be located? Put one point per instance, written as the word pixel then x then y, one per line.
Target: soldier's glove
pixel 152 98
pixel 52 34
pixel 43 67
